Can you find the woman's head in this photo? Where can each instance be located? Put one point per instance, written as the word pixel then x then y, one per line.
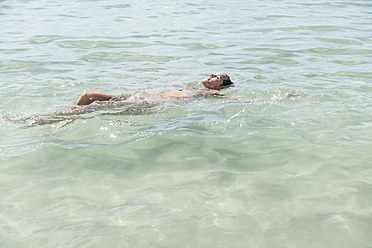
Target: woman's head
pixel 217 81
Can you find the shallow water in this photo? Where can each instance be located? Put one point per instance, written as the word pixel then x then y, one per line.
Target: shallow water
pixel 206 173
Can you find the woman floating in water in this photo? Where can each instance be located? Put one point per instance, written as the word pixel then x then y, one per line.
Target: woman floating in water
pixel 138 103
pixel 213 83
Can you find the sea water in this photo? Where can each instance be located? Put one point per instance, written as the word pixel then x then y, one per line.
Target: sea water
pixel 203 173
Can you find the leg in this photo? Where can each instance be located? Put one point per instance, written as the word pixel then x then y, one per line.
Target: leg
pixel 88 97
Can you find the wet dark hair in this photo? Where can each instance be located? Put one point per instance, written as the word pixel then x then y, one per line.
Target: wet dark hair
pixel 227 83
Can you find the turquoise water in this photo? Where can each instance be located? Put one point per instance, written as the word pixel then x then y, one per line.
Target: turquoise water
pixel 206 173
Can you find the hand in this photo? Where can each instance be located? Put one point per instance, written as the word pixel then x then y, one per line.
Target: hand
pixel 294 95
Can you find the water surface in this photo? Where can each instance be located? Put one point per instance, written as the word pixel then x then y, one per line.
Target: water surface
pixel 207 173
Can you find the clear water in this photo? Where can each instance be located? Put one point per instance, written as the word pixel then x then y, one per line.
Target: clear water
pixel 208 173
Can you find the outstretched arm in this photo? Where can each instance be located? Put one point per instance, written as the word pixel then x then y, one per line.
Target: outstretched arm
pixel 6 118
pixel 88 97
pixel 292 96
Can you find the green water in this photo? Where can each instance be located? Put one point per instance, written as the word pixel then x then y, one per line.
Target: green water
pixel 204 173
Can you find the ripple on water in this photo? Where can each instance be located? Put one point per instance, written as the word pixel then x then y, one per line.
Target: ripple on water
pixel 93 44
pixel 129 57
pixel 11 66
pixel 43 39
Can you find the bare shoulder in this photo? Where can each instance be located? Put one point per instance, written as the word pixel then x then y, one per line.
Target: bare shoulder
pixel 209 92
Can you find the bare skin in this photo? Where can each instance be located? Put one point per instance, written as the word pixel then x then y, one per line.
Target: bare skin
pixel 88 97
pixel 139 103
pixel 212 82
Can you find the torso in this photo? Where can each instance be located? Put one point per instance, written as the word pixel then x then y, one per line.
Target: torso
pixel 179 94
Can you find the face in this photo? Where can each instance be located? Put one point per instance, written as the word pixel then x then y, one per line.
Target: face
pixel 214 81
